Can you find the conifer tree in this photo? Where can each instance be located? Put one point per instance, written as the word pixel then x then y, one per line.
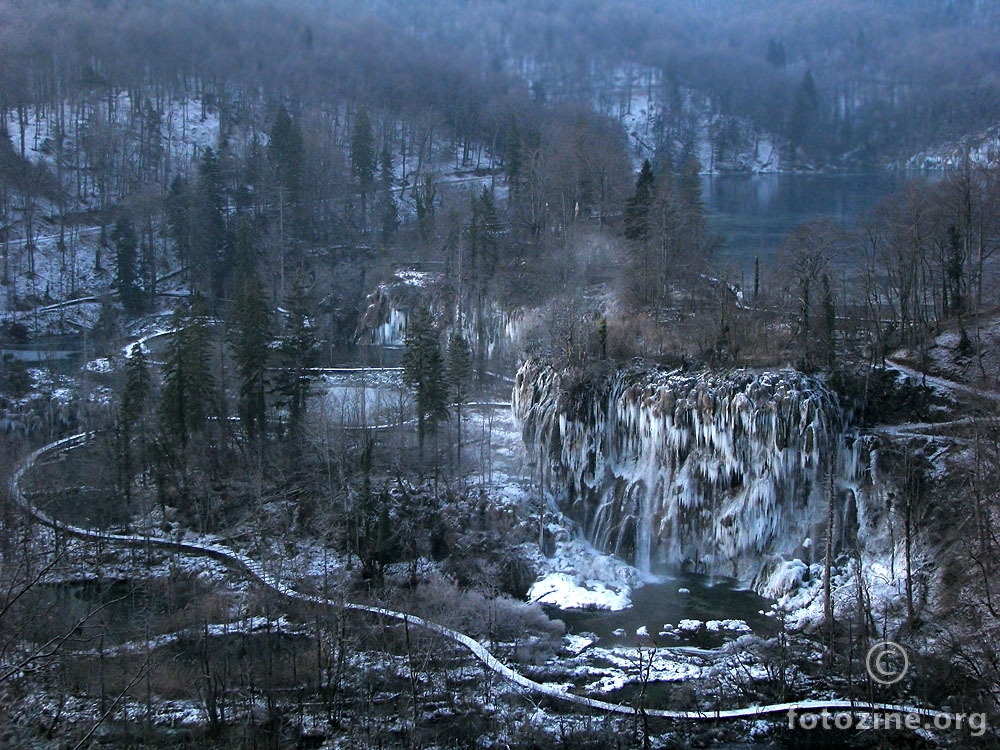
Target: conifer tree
pixel 424 372
pixel 637 207
pixel 804 113
pixel 286 151
pixel 131 407
pixel 388 212
pixel 127 275
pixel 484 241
pixel 250 338
pixel 188 384
pixel 363 160
pixel 297 354
pixel 484 235
pixel 136 392
pixel 178 209
pixel 459 374
pixel 209 230
pixel 424 199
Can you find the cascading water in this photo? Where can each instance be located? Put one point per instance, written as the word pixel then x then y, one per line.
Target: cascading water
pixel 715 473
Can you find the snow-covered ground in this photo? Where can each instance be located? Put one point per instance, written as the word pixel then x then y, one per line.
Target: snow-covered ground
pixel 981 149
pixel 583 578
pixel 186 126
pixel 637 98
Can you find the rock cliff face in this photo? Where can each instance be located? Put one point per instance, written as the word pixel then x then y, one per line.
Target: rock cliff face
pixel 720 473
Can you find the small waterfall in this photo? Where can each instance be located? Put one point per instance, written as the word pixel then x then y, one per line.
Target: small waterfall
pixel 711 472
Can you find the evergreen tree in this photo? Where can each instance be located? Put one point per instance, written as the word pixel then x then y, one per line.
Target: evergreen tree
pixel 250 338
pixel 131 407
pixel 424 199
pixel 459 366
pixel 484 233
pixel 209 230
pixel 692 235
pixel 135 393
pixel 363 161
pixel 459 374
pixel 287 152
pixel 178 208
pixel 756 278
pixel 637 207
pixel 388 212
pixel 297 353
pixel 147 270
pixel 374 534
pixel 644 282
pixel 188 385
pixel 805 110
pixel 424 372
pixel 244 249
pixel 127 274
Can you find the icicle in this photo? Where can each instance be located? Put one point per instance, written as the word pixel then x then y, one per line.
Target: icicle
pixel 707 470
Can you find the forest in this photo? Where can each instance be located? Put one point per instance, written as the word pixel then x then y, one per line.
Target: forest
pixel 375 373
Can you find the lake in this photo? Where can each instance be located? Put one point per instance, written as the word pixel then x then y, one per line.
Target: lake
pixel 754 213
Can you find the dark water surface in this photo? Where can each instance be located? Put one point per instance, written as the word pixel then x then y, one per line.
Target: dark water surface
pixel 754 213
pixel 657 604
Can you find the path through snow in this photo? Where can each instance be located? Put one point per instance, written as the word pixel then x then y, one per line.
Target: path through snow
pixel 253 570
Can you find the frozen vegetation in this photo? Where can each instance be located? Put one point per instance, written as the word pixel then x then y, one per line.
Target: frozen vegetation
pixel 374 378
pixel 716 474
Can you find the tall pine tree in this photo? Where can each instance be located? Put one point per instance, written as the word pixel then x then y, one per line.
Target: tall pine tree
pixel 131 410
pixel 484 243
pixel 298 352
pixel 188 384
pixel 424 199
pixel 424 372
pixel 459 375
pixel 127 262
pixel 209 229
pixel 249 333
pixel 135 393
pixel 286 152
pixel 388 211
pixel 179 214
pixel 363 160
pixel 638 205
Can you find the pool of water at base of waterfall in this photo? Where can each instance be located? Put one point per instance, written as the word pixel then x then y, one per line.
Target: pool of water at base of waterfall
pixel 669 602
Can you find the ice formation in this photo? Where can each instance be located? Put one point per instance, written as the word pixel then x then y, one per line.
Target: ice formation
pixel 725 474
pixel 389 307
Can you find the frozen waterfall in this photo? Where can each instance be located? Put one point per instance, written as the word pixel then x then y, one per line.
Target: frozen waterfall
pixel 717 473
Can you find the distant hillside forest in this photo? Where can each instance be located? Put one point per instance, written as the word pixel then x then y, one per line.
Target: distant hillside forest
pixel 859 81
pixel 160 148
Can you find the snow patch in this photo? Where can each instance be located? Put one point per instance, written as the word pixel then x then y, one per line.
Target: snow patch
pixel 562 591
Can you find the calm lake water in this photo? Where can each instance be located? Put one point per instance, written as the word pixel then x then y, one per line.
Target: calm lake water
pixel 754 213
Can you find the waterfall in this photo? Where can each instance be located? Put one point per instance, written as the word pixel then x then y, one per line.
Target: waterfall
pixel 711 472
